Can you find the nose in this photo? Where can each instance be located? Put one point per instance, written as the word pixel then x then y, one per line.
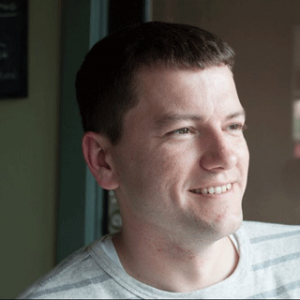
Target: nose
pixel 220 154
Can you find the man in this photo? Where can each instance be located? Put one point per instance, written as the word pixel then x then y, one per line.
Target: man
pixel 164 130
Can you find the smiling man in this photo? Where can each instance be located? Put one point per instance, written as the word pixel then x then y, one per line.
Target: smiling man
pixel 180 172
pixel 164 130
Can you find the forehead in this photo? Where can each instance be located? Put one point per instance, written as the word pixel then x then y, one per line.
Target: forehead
pixel 185 90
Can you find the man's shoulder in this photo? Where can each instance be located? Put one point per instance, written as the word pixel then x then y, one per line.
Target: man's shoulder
pixel 62 279
pixel 256 228
pixel 271 233
pixel 78 276
pixel 272 252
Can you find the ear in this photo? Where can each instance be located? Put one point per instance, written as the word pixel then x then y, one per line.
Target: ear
pixel 95 149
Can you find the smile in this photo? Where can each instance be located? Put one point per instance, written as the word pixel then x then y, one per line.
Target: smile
pixel 213 190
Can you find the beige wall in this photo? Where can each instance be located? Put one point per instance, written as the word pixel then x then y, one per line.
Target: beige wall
pixel 261 32
pixel 28 159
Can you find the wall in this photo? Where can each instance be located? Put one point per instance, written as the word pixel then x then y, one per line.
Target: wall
pixel 28 159
pixel 261 32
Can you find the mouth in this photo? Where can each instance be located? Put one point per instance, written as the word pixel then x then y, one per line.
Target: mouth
pixel 213 189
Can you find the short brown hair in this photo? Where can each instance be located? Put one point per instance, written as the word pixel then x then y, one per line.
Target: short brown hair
pixel 104 83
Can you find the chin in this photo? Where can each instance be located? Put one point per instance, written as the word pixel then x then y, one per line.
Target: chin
pixel 228 225
pixel 221 226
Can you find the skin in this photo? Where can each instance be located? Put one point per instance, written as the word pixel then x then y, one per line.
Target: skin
pixel 185 133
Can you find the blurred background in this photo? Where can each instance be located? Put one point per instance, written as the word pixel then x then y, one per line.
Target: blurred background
pixel 50 205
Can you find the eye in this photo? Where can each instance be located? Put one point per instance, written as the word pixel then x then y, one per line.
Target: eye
pixel 238 127
pixel 182 131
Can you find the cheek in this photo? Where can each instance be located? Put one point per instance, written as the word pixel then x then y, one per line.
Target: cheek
pixel 245 156
pixel 154 169
pixel 168 168
pixel 241 150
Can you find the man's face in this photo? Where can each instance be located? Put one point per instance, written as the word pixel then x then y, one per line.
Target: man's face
pixel 183 138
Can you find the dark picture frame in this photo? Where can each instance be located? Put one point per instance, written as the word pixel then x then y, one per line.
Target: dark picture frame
pixel 13 48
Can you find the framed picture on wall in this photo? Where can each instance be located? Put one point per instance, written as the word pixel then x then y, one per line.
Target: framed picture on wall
pixel 13 49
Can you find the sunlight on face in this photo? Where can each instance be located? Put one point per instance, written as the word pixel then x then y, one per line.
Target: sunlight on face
pixel 183 160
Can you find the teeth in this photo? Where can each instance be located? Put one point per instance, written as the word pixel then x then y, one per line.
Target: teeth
pixel 218 190
pixel 213 190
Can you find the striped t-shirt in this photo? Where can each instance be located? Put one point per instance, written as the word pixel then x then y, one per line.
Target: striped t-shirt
pixel 268 267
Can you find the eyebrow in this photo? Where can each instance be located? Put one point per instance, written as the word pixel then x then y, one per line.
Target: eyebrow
pixel 173 118
pixel 169 119
pixel 239 113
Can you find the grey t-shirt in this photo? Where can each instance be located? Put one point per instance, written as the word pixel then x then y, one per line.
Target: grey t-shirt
pixel 268 268
pixel 109 248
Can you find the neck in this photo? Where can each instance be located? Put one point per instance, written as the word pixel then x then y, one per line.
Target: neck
pixel 173 266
